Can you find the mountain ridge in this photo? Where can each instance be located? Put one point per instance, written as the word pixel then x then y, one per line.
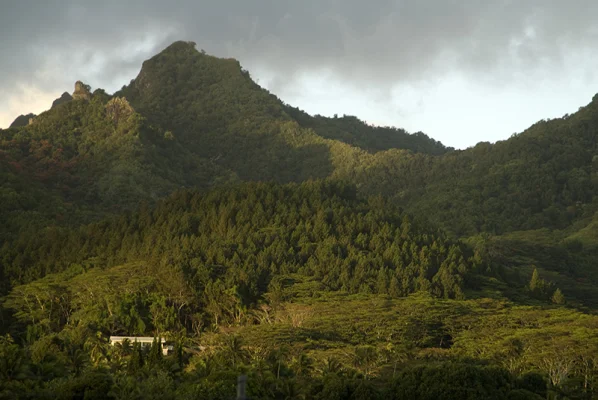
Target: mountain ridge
pixel 216 118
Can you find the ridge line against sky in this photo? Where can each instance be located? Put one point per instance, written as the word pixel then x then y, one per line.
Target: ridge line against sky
pixel 460 71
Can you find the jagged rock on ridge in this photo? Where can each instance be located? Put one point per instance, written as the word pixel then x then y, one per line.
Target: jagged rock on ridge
pixel 65 98
pixel 82 91
pixel 23 120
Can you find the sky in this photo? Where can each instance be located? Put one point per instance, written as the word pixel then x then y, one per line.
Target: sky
pixel 460 71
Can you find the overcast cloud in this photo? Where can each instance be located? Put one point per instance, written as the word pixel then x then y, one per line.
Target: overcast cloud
pixel 461 71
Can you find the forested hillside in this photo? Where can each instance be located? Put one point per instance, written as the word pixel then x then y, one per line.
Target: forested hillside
pixel 323 257
pixel 303 286
pixel 546 176
pixel 252 233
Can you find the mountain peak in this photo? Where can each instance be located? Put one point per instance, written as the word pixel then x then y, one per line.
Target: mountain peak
pixel 66 97
pixel 181 61
pixel 192 93
pixel 181 46
pixel 182 73
pixel 23 120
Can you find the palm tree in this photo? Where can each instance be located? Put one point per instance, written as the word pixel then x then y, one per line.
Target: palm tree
pixel 124 348
pixel 279 356
pixel 257 355
pixel 364 359
pixel 395 355
pixel 291 391
pixel 97 347
pixel 118 353
pixel 331 366
pixel 12 360
pixel 302 365
pixel 78 359
pixel 233 348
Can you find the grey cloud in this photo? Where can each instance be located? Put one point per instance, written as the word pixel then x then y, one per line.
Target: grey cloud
pixel 365 43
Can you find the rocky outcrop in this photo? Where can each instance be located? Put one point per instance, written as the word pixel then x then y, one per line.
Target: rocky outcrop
pixel 82 91
pixel 65 98
pixel 22 120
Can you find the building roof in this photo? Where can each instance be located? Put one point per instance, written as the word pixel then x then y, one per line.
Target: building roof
pixel 134 339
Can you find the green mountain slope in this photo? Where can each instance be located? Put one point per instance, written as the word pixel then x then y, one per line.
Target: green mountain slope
pixel 92 157
pixel 317 228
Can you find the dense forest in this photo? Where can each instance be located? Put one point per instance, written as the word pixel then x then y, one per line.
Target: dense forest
pixel 322 257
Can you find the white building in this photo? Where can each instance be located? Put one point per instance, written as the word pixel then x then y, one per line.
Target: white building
pixel 143 341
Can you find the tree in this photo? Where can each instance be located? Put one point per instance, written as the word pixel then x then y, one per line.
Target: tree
pixel 96 346
pixel 233 349
pixel 331 366
pixel 136 359
pixel 394 289
pixel 12 360
pixel 365 359
pixel 302 365
pixel 558 297
pixel 155 353
pixel 382 284
pixel 535 281
pixel 538 286
pixel 118 109
pixel 280 356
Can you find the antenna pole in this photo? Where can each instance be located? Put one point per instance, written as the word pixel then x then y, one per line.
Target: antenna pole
pixel 241 385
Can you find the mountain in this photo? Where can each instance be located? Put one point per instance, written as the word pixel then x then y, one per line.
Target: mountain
pixel 190 120
pixel 222 96
pixel 187 120
pixel 323 257
pixel 214 108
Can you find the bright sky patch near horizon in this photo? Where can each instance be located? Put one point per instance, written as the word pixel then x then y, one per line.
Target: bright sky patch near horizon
pixel 461 71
